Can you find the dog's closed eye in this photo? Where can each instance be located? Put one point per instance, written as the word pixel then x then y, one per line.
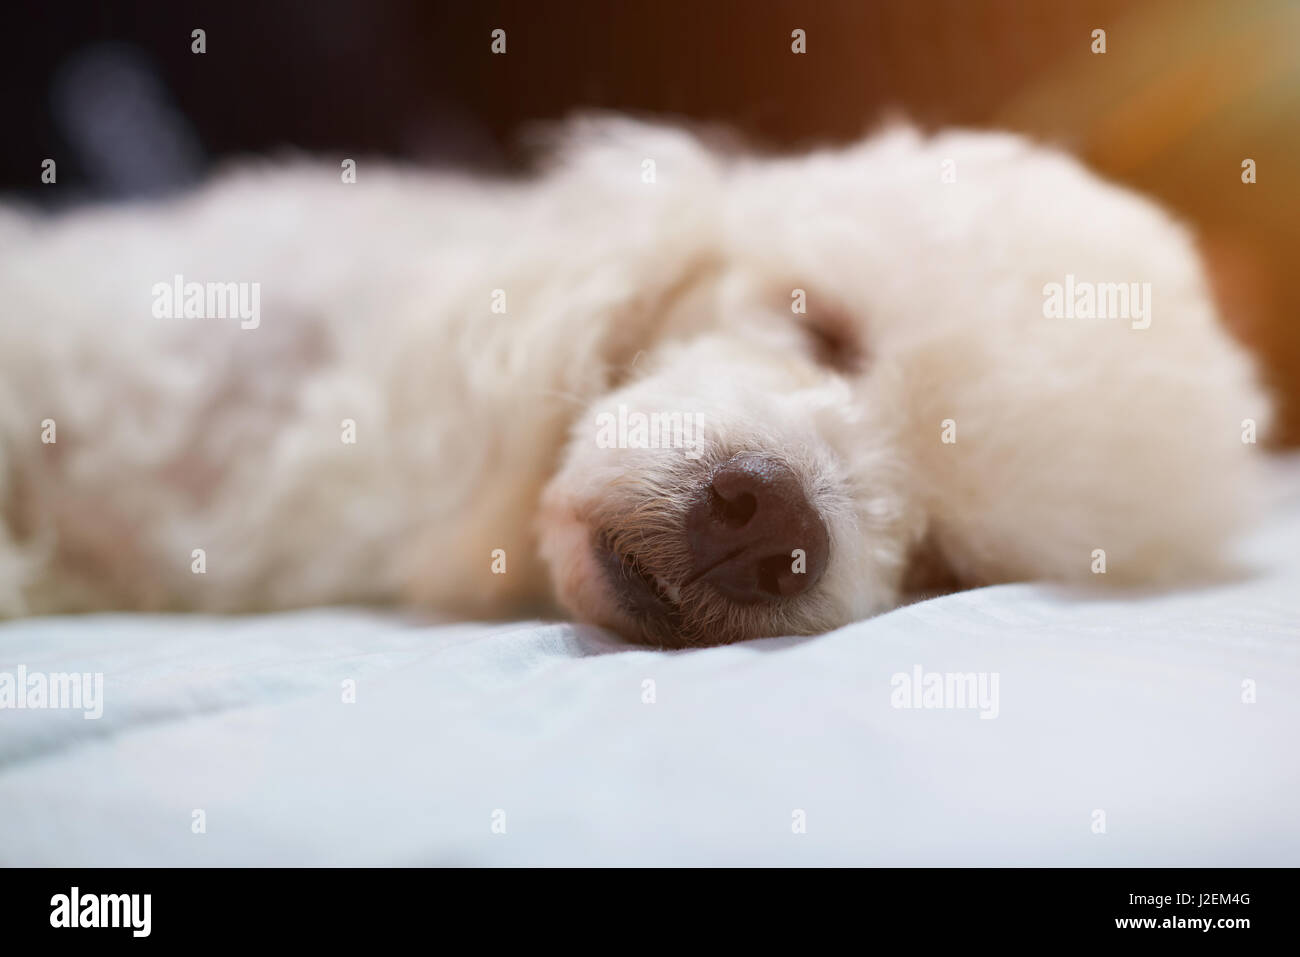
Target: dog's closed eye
pixel 834 340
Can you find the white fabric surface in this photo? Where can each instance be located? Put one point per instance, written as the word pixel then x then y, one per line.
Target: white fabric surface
pixel 1127 704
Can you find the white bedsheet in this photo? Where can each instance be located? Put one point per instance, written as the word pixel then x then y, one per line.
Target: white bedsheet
pixel 1130 705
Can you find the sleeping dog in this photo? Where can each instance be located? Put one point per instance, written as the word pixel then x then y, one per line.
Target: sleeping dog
pixel 687 392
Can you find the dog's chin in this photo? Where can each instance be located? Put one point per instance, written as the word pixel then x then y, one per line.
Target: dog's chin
pixel 647 609
pixel 581 577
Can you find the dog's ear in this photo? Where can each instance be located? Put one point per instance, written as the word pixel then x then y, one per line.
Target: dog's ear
pixel 643 320
pixel 664 186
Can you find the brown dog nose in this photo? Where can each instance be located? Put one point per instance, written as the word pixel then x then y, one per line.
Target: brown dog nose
pixel 753 533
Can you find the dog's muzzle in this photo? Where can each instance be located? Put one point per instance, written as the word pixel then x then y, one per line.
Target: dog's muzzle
pixel 752 535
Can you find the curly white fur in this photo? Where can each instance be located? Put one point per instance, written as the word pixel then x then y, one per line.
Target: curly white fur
pixel 475 429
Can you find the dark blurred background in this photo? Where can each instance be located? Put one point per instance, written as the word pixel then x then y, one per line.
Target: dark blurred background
pixel 1186 91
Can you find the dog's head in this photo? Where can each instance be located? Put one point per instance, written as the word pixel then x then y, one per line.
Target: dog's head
pixel 741 477
pixel 746 472
pixel 744 475
pixel 767 454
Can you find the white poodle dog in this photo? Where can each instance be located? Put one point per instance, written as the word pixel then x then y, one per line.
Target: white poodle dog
pixel 695 395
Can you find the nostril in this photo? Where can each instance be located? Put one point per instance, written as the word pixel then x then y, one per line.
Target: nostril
pixel 734 512
pixel 771 572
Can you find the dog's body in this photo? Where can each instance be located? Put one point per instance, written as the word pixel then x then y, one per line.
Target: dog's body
pixel 469 336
